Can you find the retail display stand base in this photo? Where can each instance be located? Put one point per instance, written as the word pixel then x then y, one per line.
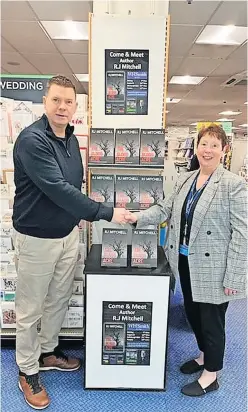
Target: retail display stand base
pixel 126 324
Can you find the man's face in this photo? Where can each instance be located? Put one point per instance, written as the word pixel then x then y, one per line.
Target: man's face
pixel 60 105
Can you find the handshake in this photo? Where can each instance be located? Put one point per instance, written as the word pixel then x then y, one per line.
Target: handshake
pixel 122 216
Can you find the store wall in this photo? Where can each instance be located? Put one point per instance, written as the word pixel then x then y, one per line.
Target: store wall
pixel 115 32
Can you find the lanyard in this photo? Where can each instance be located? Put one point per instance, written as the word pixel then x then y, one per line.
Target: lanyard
pixel 191 198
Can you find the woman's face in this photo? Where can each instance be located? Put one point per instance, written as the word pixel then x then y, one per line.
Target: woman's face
pixel 209 152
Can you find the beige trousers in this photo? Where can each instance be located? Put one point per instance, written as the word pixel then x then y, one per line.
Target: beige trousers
pixel 45 273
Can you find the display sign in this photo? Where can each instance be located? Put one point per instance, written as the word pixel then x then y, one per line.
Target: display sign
pixel 126 333
pixel 126 329
pixel 24 87
pixel 226 126
pixel 126 82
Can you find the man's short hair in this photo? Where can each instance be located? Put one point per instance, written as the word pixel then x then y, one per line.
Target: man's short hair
pixel 60 80
pixel 213 130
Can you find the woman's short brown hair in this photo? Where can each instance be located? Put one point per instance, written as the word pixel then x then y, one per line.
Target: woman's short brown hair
pixel 213 130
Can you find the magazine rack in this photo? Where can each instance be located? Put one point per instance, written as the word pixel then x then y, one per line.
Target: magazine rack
pixel 126 324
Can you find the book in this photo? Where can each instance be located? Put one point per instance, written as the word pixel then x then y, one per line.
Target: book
pixel 101 148
pixel 151 190
pixel 152 146
pixel 127 192
pixel 127 143
pixel 102 189
pixel 144 248
pixel 114 248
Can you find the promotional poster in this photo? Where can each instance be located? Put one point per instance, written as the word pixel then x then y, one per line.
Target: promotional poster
pixel 126 82
pixel 126 331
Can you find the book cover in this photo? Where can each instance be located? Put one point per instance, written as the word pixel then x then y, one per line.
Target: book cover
pixel 101 148
pixel 114 248
pixel 144 248
pixel 127 192
pixel 151 190
pixel 102 189
pixel 152 146
pixel 127 143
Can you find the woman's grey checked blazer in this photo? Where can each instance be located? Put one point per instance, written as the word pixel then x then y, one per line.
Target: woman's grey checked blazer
pixel 218 239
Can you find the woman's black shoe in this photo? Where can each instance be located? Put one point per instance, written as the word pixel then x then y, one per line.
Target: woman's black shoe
pixel 191 367
pixel 195 389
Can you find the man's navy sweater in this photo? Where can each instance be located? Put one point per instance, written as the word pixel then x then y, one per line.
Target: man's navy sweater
pixel 48 177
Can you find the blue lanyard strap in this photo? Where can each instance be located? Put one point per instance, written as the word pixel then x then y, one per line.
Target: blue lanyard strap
pixel 193 196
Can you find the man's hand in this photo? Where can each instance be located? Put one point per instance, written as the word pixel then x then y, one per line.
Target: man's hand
pixel 122 216
pixel 130 217
pixel 119 216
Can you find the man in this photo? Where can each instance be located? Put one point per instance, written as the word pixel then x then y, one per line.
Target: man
pixel 47 208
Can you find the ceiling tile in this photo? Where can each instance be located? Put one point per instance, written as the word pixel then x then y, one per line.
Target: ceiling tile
pixel 174 63
pixel 212 51
pixel 72 46
pixel 6 47
pixel 230 67
pixel 197 66
pixel 198 12
pixel 16 11
pixel 24 68
pixel 27 37
pixel 231 12
pixel 239 53
pixel 4 71
pixel 62 10
pixel 49 63
pixel 77 62
pixel 182 38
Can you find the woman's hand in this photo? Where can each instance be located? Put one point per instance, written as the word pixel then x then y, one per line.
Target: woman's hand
pixel 229 292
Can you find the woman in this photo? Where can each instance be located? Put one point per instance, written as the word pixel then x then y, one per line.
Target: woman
pixel 207 244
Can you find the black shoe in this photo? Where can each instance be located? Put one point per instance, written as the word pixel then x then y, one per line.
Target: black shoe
pixel 195 389
pixel 191 367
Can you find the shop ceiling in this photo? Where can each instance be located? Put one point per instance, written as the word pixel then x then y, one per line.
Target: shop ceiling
pixel 27 48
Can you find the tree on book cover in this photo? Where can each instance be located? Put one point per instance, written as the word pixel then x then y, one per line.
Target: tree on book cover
pixel 144 248
pixel 152 146
pixel 114 248
pixel 102 189
pixel 127 192
pixel 101 146
pixel 127 146
pixel 151 190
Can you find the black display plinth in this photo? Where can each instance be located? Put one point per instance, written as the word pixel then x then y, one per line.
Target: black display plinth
pixel 93 265
pixel 126 318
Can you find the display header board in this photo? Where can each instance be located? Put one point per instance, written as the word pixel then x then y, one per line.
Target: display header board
pixel 126 82
pixel 226 126
pixel 23 87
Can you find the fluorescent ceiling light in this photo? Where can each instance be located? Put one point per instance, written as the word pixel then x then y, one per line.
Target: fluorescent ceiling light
pixel 243 125
pixel 246 103
pixel 82 77
pixel 167 111
pixel 223 35
pixel 66 30
pixel 235 128
pixel 193 124
pixel 225 120
pixel 230 113
pixel 186 80
pixel 172 100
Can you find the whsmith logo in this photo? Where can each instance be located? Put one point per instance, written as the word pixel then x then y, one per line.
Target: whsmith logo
pixel 21 85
